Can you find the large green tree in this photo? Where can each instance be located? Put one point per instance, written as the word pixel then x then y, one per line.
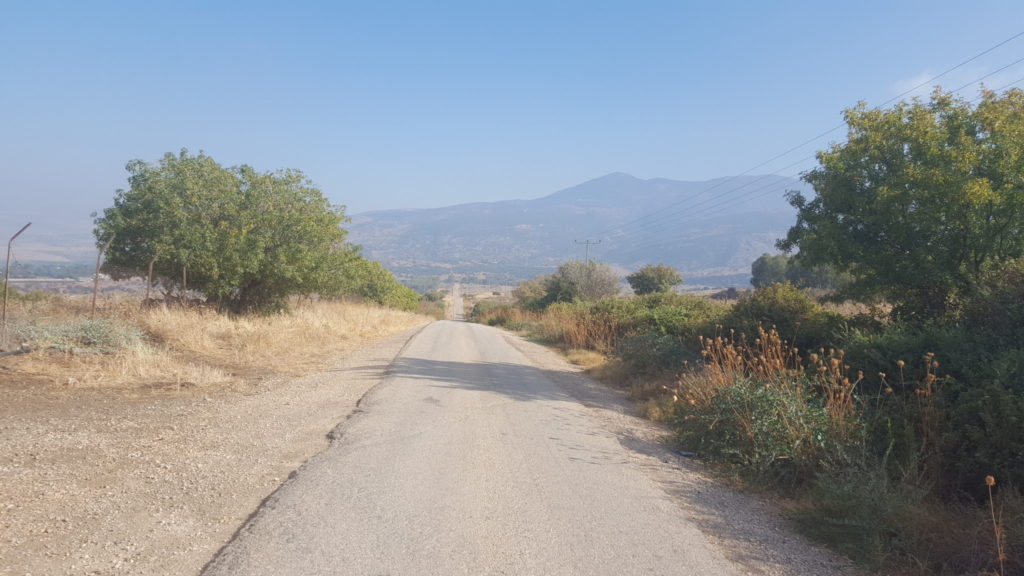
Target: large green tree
pixel 577 281
pixel 771 269
pixel 246 240
pixel 919 200
pixel 654 279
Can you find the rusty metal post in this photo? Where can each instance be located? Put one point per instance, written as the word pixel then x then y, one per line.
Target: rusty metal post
pixel 149 277
pixel 7 279
pixel 96 278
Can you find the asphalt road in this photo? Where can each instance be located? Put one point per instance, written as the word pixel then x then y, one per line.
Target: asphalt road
pixel 457 313
pixel 467 459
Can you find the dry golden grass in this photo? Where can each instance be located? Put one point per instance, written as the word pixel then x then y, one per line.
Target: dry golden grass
pixel 137 365
pixel 195 347
pixel 292 342
pixel 585 358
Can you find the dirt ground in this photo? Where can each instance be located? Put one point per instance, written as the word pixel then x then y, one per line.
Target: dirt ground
pixel 154 481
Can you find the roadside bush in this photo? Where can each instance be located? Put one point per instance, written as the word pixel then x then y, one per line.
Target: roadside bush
pixel 877 520
pixel 795 315
pixel 862 515
pixel 977 409
pixel 80 336
pixel 654 279
pixel 780 434
pixel 652 351
pixel 485 310
pixel 986 437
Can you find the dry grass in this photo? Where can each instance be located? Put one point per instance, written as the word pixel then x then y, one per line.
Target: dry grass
pixel 195 347
pixel 585 358
pixel 291 343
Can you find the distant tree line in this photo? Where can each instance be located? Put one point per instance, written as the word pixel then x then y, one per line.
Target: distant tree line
pixel 771 269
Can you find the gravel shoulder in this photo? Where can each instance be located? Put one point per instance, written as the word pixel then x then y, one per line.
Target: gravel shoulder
pixel 154 481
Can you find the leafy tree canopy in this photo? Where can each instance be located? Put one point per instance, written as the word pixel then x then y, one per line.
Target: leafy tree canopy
pixel 247 240
pixel 653 279
pixel 581 281
pixel 918 200
pixel 574 281
pixel 771 269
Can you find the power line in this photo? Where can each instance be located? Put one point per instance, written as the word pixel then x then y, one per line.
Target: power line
pixel 656 220
pixel 672 205
pixel 993 73
pixel 965 62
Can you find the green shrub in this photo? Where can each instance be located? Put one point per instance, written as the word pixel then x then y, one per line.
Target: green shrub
pixel 986 438
pixel 861 514
pixel 80 336
pixel 796 316
pixel 486 309
pixel 652 351
pixel 776 432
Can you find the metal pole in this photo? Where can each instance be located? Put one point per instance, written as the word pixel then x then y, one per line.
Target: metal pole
pixel 96 278
pixel 7 278
pixel 149 277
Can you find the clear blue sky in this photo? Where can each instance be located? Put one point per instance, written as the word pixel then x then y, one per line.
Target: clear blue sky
pixel 421 104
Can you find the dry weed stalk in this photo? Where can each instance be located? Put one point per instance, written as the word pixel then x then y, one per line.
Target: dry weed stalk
pixel 997 526
pixel 581 330
pixel 832 375
pixel 772 361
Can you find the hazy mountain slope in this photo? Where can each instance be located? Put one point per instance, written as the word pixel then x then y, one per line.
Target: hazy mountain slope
pixel 712 228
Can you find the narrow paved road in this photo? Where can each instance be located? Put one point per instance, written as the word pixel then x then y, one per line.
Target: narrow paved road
pixel 456 312
pixel 468 460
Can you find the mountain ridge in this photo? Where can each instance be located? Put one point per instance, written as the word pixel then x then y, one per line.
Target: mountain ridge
pixel 724 224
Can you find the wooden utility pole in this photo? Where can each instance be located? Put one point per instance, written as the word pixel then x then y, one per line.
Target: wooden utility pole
pixel 589 243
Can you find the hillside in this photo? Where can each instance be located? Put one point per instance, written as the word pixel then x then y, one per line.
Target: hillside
pixel 710 230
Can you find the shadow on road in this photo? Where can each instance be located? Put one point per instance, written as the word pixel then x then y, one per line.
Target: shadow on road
pixel 518 382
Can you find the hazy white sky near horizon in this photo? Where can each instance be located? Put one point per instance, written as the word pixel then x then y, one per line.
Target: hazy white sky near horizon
pixel 414 104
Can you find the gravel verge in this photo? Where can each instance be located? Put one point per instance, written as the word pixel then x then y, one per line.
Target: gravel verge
pixel 154 481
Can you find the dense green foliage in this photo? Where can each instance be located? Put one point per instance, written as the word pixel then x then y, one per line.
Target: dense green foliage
pixel 574 281
pixel 918 200
pixel 781 434
pixel 769 269
pixel 789 310
pixel 653 279
pixel 775 269
pixel 246 240
pixel 370 280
